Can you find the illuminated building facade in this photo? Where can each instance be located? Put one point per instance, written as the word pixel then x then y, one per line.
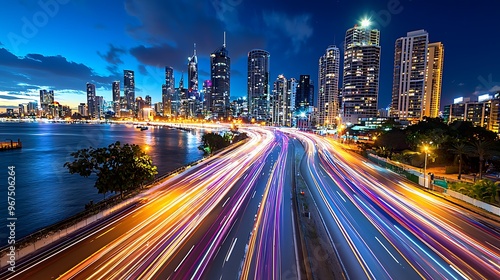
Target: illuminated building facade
pixel 116 97
pixel 129 88
pixel 258 85
pixel 220 75
pixel 91 101
pixel 328 83
pixel 361 73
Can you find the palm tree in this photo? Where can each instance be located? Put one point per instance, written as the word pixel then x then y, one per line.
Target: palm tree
pixel 483 150
pixel 460 149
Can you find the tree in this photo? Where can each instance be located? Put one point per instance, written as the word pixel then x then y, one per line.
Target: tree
pixel 118 168
pixel 459 149
pixel 483 150
pixel 214 141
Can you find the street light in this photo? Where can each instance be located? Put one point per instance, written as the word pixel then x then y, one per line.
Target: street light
pixel 426 150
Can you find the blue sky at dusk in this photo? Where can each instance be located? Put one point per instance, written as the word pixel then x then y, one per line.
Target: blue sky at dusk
pixel 67 43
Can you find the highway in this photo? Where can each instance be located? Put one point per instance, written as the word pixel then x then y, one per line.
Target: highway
pixel 153 239
pixel 231 217
pixel 385 227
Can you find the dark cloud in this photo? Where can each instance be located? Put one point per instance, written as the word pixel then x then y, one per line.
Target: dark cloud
pixel 171 30
pixel 297 29
pixel 36 70
pixel 113 55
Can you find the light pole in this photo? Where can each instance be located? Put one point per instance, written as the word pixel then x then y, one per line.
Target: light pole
pixel 426 150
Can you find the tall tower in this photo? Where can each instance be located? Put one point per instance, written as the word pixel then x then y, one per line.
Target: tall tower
pixel 291 87
pixel 410 63
pixel 220 64
pixel 361 73
pixel 116 98
pixel 305 95
pixel 129 88
pixel 433 79
pixel 91 101
pixel 193 73
pixel 168 91
pixel 258 85
pixel 280 102
pixel 328 83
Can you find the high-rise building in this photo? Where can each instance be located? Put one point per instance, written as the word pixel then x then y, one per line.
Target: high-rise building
pixel 258 85
pixel 291 87
pixel 410 63
pixel 280 103
pixel 148 101
pixel 32 108
pixel 416 90
pixel 433 79
pixel 328 83
pixel 82 109
pixel 46 98
pixel 193 73
pixel 129 88
pixel 220 74
pixel 167 91
pixel 21 110
pixel 91 101
pixel 361 73
pixel 116 98
pixel 100 104
pixel 207 90
pixel 305 95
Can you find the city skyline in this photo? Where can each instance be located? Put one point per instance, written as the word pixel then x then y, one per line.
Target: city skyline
pixel 34 55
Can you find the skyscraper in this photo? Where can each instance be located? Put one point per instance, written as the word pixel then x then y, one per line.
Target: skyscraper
pixel 46 99
pixel 116 98
pixel 91 101
pixel 433 79
pixel 361 73
pixel 291 87
pixel 168 91
pixel 258 84
pixel 328 83
pixel 193 73
pixel 220 64
pixel 305 95
pixel 280 102
pixel 129 88
pixel 410 63
pixel 416 90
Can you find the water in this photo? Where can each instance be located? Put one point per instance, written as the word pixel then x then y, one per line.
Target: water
pixel 45 191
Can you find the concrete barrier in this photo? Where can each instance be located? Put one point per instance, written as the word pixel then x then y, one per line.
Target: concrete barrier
pixel 483 205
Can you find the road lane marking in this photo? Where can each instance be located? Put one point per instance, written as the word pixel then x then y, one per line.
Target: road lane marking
pixel 225 202
pixel 231 249
pixel 253 193
pixel 341 196
pixel 175 270
pixel 102 234
pixel 386 249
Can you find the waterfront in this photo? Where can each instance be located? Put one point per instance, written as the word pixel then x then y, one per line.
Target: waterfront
pixel 46 193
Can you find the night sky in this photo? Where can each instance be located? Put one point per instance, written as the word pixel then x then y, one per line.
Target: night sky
pixel 71 42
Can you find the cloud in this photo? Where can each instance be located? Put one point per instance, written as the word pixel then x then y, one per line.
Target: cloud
pixel 23 73
pixel 495 88
pixel 113 55
pixel 168 31
pixel 297 29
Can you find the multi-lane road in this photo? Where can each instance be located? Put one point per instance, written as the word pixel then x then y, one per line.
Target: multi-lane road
pixel 232 217
pixel 385 227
